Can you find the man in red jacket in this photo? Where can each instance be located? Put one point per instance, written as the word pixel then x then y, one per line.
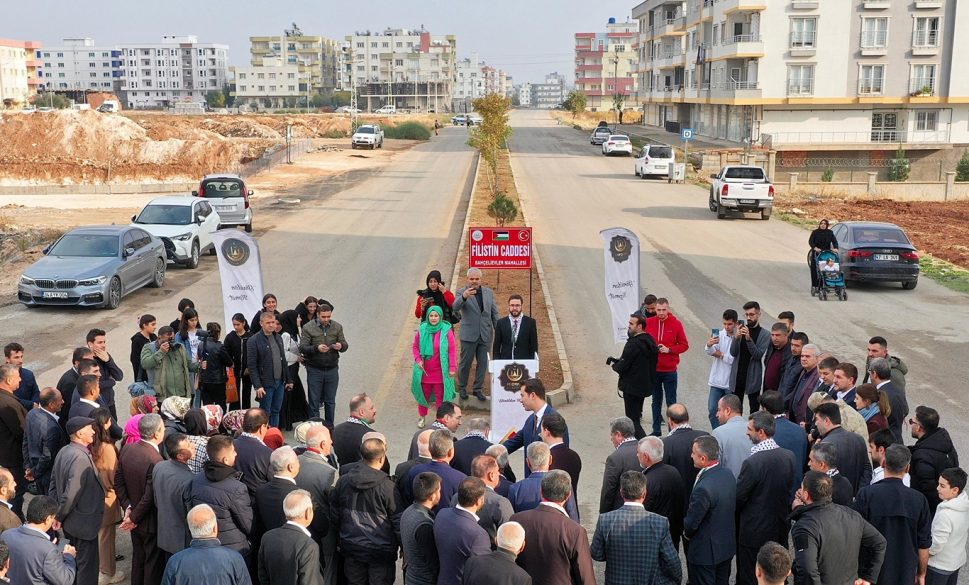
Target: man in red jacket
pixel 671 340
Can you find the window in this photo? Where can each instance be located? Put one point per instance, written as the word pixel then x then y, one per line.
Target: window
pixel 93 74
pixel 373 45
pixel 242 76
pixel 872 79
pixel 619 48
pixel 800 79
pixel 242 88
pixel 262 88
pixel 92 65
pixel 272 76
pixel 292 88
pixel 927 120
pixel 399 45
pixel 360 45
pixel 804 32
pixel 399 62
pixel 290 76
pixel 926 32
pixel 874 33
pixel 923 79
pixel 716 34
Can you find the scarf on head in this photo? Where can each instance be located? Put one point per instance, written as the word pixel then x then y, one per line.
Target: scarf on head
pixel 143 404
pixel 232 421
pixel 213 418
pixel 195 423
pixel 427 350
pixel 303 429
pixel 132 434
pixel 175 407
pixel 870 411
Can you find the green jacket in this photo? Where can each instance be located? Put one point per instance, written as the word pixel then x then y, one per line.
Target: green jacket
pixel 168 372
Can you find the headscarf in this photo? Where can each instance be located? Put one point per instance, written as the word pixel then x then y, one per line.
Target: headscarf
pixel 426 334
pixel 274 438
pixel 288 321
pixel 144 404
pixel 213 418
pixel 175 407
pixel 195 423
pixel 439 300
pixel 132 434
pixel 232 421
pixel 303 429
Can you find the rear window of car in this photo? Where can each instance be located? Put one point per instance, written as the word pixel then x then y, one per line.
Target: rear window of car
pixel 879 235
pixel 603 130
pixel 752 173
pixel 222 188
pixel 660 152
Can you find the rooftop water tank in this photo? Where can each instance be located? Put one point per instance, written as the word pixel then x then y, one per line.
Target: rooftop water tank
pixel 612 20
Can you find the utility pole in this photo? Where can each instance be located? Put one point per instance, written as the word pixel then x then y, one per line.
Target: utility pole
pixel 615 80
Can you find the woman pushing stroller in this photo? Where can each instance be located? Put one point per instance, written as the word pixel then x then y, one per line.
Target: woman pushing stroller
pixel 821 240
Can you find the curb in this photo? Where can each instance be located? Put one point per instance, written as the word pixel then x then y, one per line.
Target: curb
pixel 455 274
pixel 564 393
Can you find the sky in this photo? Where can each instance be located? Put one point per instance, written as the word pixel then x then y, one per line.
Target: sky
pixel 526 38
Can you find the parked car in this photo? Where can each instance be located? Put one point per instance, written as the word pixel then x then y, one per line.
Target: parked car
pixel 368 135
pixel 387 110
pixel 94 267
pixel 109 106
pixel 600 135
pixel 741 188
pixel 654 159
pixel 617 144
pixel 459 120
pixel 230 198
pixel 475 119
pixel 347 110
pixel 184 224
pixel 874 251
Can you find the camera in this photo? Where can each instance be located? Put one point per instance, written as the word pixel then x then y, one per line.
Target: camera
pixel 611 360
pixel 202 334
pixel 815 434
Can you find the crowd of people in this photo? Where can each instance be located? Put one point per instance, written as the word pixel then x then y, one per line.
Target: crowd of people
pixel 814 480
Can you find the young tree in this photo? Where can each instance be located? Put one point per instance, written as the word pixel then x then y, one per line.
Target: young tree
pixel 618 102
pixel 490 135
pixel 899 167
pixel 575 102
pixel 962 169
pixel 502 209
pixel 215 99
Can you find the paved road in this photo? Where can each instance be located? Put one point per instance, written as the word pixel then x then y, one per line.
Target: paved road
pixel 704 266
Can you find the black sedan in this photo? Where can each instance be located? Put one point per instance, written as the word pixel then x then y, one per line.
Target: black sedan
pixel 874 251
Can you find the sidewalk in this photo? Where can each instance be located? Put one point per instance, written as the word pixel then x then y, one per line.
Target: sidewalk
pixel 659 134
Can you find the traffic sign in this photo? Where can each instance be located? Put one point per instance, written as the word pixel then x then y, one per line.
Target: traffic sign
pixel 687 134
pixel 500 247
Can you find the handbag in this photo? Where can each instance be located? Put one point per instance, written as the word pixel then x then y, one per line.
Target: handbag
pixel 231 387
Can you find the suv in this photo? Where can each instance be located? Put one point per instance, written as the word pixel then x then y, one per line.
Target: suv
pixel 184 224
pixel 230 198
pixel 600 135
pixel 654 159
pixel 387 110
pixel 368 135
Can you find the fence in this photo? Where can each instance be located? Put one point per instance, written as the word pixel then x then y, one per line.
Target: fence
pixel 276 157
pixel 855 170
pixel 945 190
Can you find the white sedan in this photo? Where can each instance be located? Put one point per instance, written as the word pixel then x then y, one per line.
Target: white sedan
pixel 617 144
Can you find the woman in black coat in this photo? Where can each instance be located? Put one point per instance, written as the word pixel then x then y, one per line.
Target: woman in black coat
pixel 145 335
pixel 213 377
pixel 822 239
pixel 235 343
pixel 294 400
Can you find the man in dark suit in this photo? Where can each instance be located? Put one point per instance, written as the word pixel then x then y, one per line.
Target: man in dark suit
pixel 348 435
pixel 787 435
pixel 171 480
pixel 497 509
pixel 87 395
pixel 634 542
pixel 77 488
pixel 252 454
pixel 457 534
pixel 880 370
pixel 43 438
pixel 12 421
pixel 269 497
pixel 318 477
pixel 448 416
pixel 764 491
pixel 853 459
pixel 527 493
pixel 664 493
pixel 710 521
pixel 516 336
pixel 678 445
pixel 507 479
pixel 558 547
pixel 479 315
pixel 288 554
pixel 845 375
pixel 498 567
pixel 37 559
pixel 402 471
pixel 808 382
pixel 824 459
pixel 132 482
pixel 533 400
pixel 67 384
pixel 266 362
pixel 622 459
pixel 553 434
pixel 441 446
pixel 474 443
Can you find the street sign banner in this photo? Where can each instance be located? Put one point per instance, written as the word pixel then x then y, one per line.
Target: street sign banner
pixel 501 248
pixel 687 133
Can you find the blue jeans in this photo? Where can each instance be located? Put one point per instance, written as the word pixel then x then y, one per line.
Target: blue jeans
pixel 272 400
pixel 712 402
pixel 663 381
pixel 322 383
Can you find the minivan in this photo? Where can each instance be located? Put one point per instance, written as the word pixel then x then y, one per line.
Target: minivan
pixel 387 110
pixel 230 198
pixel 654 159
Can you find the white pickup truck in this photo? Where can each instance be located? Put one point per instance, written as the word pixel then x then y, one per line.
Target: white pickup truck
pixel 741 188
pixel 368 136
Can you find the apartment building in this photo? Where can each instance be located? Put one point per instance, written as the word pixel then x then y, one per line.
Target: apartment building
pixel 469 84
pixel 178 69
pixel 551 92
pixel 272 84
pixel 525 95
pixel 316 57
pixel 606 64
pixel 21 72
pixel 410 69
pixel 81 65
pixel 802 75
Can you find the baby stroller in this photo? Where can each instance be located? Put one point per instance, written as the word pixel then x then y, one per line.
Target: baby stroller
pixel 830 281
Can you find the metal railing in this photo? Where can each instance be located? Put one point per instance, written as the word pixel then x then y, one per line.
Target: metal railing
pixel 803 86
pixel 874 39
pixel 869 137
pixel 918 84
pixel 276 157
pixel 743 39
pixel 804 39
pixel 735 85
pixel 925 38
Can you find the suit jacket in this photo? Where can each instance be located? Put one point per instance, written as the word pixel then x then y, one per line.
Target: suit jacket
pixel 401 474
pixel 252 460
pixel 260 360
pixel 764 491
pixel 458 537
pixel 269 502
pixel 347 437
pixel 636 547
pixel 677 447
pixel 896 397
pixel 792 437
pixel 318 478
pixel 568 461
pixel 622 459
pixel 529 434
pixel 450 480
pixel 12 421
pixel 133 484
pixel 288 556
pixel 477 321
pixel 67 385
pixel 414 450
pixel 77 487
pixel 558 548
pixel 172 484
pixel 495 568
pixel 734 443
pixel 80 409
pixel 8 519
pixel 466 450
pixel 36 559
pixel 807 384
pixel 527 495
pixel 710 522
pixel 43 438
pixel 664 496
pixel 853 460
pixel 524 347
pixel 497 510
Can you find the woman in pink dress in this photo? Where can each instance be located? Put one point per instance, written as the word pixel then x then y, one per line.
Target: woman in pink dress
pixel 435 360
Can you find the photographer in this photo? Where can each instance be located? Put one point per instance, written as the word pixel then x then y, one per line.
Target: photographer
pixel 214 359
pixel 435 295
pixel 168 366
pixel 636 368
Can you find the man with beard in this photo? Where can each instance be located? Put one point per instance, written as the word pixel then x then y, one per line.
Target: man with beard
pixel 748 349
pixel 516 337
pixel 807 382
pixel 636 368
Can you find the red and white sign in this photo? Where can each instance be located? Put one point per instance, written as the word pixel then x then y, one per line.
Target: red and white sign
pixel 506 248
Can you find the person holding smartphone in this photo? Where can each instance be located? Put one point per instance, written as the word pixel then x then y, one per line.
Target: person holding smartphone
pixel 718 347
pixel 168 366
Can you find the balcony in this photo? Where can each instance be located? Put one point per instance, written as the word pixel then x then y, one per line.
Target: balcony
pixel 889 138
pixel 668 59
pixel 670 27
pixel 738 46
pixel 736 90
pixel 730 6
pixel 805 4
pixel 928 4
pixel 877 4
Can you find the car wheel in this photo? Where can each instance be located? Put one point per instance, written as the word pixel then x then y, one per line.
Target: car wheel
pixel 711 203
pixel 353 146
pixel 159 279
pixel 248 227
pixel 910 284
pixel 764 214
pixel 193 259
pixel 721 212
pixel 114 294
pixel 643 176
pixel 212 250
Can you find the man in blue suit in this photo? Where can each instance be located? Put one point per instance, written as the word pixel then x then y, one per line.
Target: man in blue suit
pixel 458 535
pixel 788 435
pixel 441 446
pixel 635 544
pixel 36 558
pixel 527 493
pixel 710 519
pixel 533 400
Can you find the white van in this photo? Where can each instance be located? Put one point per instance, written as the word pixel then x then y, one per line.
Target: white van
pixel 654 159
pixel 387 110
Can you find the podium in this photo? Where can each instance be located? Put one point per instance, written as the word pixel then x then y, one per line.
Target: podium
pixel 507 413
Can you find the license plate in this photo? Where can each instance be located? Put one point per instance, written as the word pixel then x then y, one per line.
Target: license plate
pixel 892 257
pixel 748 201
pixel 225 207
pixel 55 295
pixel 660 167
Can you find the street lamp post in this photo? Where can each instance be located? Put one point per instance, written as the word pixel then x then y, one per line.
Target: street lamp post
pixel 615 81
